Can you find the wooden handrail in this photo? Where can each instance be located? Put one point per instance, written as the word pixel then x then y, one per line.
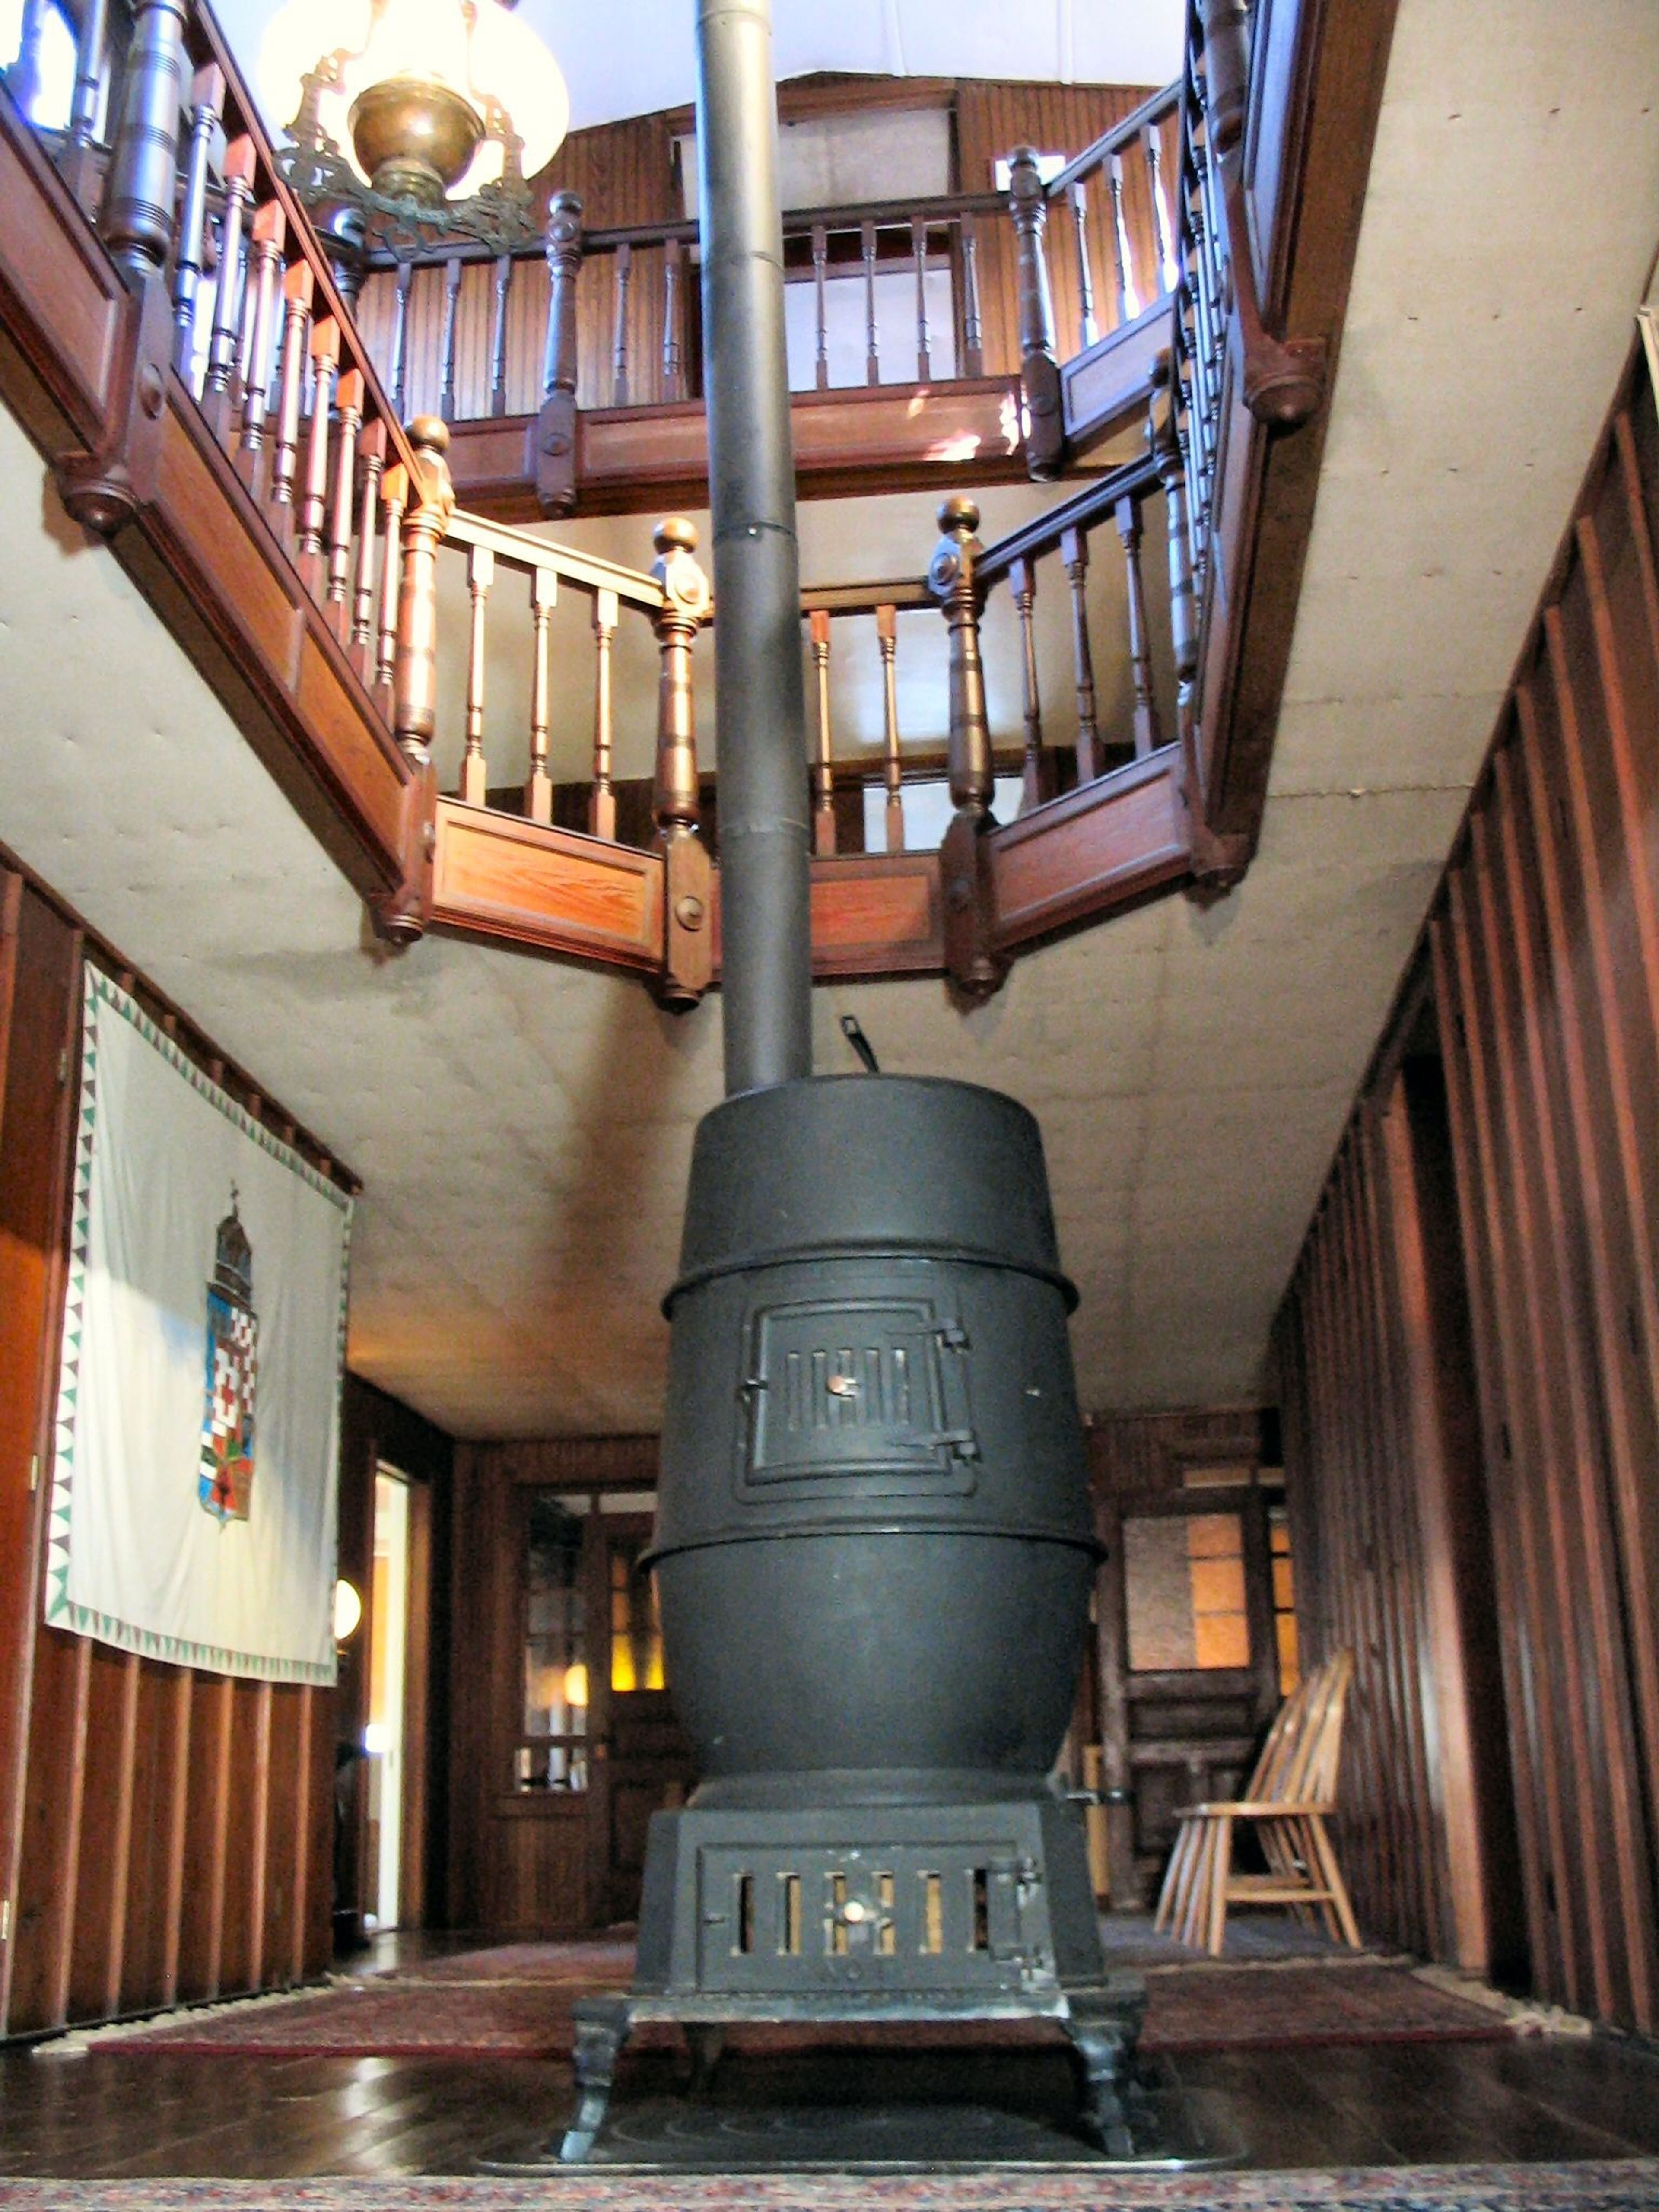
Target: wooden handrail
pixel 937 210
pixel 518 548
pixel 1135 479
pixel 1152 110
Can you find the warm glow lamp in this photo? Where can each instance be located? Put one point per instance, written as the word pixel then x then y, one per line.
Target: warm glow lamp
pixel 420 118
pixel 576 1686
pixel 347 1610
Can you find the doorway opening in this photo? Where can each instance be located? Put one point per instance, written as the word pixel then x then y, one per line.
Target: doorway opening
pixel 384 1737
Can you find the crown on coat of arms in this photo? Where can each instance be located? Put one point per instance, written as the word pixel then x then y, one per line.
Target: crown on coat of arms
pixel 233 1264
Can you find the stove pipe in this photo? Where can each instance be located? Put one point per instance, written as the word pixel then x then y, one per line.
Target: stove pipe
pixel 766 943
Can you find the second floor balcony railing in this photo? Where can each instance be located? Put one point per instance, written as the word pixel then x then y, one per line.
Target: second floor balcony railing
pixel 207 380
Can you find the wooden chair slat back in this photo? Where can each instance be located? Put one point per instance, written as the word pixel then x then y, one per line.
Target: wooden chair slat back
pixel 1263 1784
pixel 1299 1758
pixel 1326 1752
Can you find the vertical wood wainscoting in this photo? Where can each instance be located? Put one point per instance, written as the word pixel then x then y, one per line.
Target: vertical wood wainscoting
pixel 1517 1097
pixel 165 1833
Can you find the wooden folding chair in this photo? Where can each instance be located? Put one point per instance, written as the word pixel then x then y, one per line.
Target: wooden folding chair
pixel 1289 1797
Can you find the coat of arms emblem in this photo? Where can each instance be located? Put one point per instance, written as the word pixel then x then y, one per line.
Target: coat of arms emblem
pixel 225 1477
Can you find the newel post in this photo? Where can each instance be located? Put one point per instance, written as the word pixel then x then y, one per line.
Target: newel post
pixel 1283 379
pixel 426 519
pixel 106 488
pixel 975 966
pixel 138 218
pixel 401 915
pixel 688 879
pixel 551 461
pixel 1039 373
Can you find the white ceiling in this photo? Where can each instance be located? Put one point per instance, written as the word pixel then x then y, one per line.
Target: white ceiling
pixel 642 56
pixel 523 1128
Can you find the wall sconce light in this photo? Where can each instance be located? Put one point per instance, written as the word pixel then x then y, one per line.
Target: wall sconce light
pixel 348 1611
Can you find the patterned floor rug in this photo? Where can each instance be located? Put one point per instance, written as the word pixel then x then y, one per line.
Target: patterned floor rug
pixel 1622 2185
pixel 499 2004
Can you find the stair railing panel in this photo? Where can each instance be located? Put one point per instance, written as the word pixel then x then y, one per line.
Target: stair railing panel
pixel 185 195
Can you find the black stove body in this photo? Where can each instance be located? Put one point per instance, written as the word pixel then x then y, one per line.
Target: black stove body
pixel 874 1550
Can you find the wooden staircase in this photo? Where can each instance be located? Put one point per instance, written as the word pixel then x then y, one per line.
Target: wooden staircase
pixel 233 439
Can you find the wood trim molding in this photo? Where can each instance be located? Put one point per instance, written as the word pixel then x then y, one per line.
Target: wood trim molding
pixel 941 437
pixel 1101 847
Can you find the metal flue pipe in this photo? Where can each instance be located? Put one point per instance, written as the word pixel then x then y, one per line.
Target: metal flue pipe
pixel 765 874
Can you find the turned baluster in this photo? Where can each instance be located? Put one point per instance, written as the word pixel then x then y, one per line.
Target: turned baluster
pixel 138 205
pixel 81 166
pixel 498 335
pixel 394 498
pixel 1039 373
pixel 400 339
pixel 820 266
pixel 823 772
pixel 952 575
pixel 1148 737
pixel 872 350
pixel 480 575
pixel 539 784
pixel 892 766
pixel 973 343
pixel 1038 772
pixel 1088 328
pixel 446 342
pixel 602 798
pixel 291 357
pixel 23 74
pixel 240 162
pixel 687 957
pixel 673 354
pixel 207 97
pixel 1128 300
pixel 1165 438
pixel 415 666
pixel 371 451
pixel 1198 356
pixel 919 255
pixel 265 261
pixel 619 333
pixel 1168 267
pixel 1074 552
pixel 311 517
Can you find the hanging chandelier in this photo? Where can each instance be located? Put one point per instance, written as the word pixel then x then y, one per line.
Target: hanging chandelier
pixel 416 123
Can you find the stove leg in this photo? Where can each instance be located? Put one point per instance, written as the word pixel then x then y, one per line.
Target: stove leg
pixel 705 2040
pixel 602 2025
pixel 1105 2044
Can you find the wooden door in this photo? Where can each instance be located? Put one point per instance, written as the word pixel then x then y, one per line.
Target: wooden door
pixel 591 1749
pixel 645 1758
pixel 1190 1664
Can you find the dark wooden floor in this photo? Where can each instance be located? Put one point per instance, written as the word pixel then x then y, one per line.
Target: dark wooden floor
pixel 104 2113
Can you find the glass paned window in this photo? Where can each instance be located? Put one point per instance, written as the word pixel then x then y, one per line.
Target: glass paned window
pixel 1185 1587
pixel 551 1753
pixel 1279 1543
pixel 635 1628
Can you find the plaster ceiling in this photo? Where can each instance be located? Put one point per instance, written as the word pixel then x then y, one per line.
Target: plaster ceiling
pixel 523 1128
pixel 653 65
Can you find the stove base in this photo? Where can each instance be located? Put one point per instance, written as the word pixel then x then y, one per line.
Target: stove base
pixel 870 1914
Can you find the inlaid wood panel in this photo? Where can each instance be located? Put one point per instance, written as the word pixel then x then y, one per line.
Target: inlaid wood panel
pixel 1540 975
